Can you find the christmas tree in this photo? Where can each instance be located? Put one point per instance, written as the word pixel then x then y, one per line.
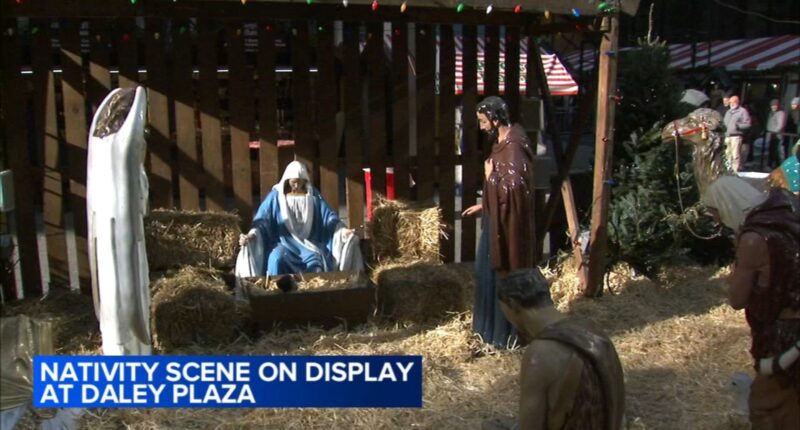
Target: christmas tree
pixel 654 214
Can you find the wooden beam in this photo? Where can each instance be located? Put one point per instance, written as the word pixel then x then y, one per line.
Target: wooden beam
pixel 376 94
pixel 604 144
pixel 16 148
pixel 46 129
pixel 512 71
pixel 159 145
pixel 127 53
pixel 210 127
pixel 326 82
pixel 426 117
pixel 491 61
pixel 400 109
pixel 447 138
pixel 562 178
pixel 185 127
pixel 75 133
pixel 304 144
pixel 241 107
pixel 353 130
pixel 471 161
pixel 234 10
pixel 563 186
pixel 99 83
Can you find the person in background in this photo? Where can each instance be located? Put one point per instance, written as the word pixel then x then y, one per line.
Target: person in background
pixel 737 122
pixel 571 376
pixel 726 98
pixel 507 237
pixel 765 282
pixel 776 122
pixel 794 121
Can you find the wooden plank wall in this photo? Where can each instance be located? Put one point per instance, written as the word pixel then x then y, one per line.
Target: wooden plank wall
pixel 269 166
pixel 376 70
pixel 447 138
pixel 159 143
pixel 47 139
pixel 16 137
pixel 75 133
pixel 353 136
pixel 326 115
pixel 240 105
pixel 471 174
pixel 426 78
pixel 400 109
pixel 212 103
pixel 184 105
pixel 210 122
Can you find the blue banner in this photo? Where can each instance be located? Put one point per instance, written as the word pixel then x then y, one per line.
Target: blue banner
pixel 227 381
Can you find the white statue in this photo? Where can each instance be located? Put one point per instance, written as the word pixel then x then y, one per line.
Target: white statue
pixel 116 202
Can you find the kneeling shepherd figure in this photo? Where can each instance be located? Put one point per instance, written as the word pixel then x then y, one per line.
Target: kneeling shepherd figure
pixel 571 376
pixel 295 231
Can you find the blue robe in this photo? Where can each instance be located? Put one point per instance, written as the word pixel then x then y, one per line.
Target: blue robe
pixel 488 319
pixel 283 252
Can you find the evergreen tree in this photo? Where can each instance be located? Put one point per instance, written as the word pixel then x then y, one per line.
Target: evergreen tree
pixel 654 214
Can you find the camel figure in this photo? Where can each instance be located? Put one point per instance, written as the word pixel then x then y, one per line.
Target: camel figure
pixel 702 128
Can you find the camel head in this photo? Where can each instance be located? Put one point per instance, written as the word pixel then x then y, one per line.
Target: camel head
pixel 701 128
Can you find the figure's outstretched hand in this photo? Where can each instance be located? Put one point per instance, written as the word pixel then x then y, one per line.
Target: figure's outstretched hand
pixel 347 233
pixel 244 238
pixel 472 210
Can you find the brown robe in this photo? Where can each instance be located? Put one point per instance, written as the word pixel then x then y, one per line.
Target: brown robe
pixel 508 202
pixel 600 400
pixel 778 221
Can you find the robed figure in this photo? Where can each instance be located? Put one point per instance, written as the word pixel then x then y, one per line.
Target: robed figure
pixel 296 231
pixel 507 234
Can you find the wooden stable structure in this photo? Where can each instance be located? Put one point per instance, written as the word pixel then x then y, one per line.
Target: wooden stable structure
pixel 211 68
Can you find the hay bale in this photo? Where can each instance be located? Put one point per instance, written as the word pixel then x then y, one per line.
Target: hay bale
pixel 194 306
pixel 679 343
pixel 405 231
pixel 187 238
pixel 419 292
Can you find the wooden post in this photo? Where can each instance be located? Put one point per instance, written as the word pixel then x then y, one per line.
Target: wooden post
pixel 376 90
pixel 159 145
pixel 400 109
pixel 241 107
pixel 353 130
pixel 75 134
pixel 15 142
pixel 46 137
pixel 538 79
pixel 604 144
pixel 210 126
pixel 447 153
pixel 426 118
pixel 185 127
pixel 470 160
pixel 326 82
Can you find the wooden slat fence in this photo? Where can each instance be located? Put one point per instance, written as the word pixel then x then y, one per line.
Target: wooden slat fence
pixel 218 117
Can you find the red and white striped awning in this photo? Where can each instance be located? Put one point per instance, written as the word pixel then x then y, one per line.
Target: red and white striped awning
pixel 763 53
pixel 559 80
